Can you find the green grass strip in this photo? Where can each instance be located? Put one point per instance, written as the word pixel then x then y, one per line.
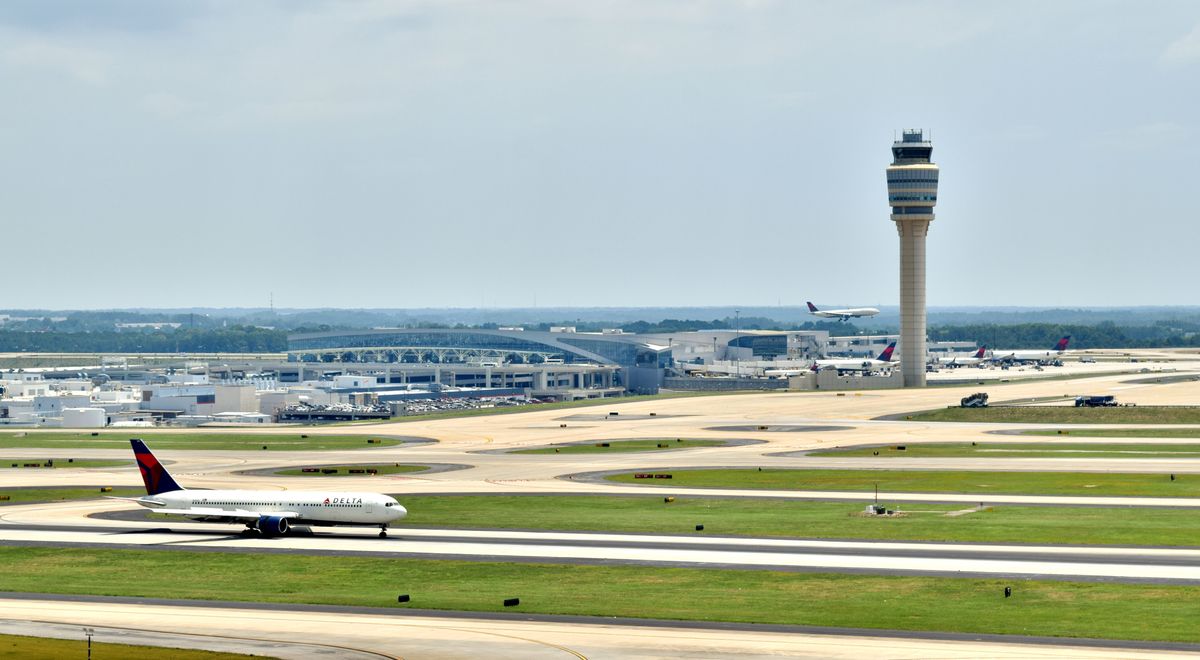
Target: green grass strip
pixel 344 470
pixel 56 463
pixel 42 648
pixel 799 519
pixel 619 446
pixel 1064 415
pixel 1114 611
pixel 173 441
pixel 1119 433
pixel 27 495
pixel 1015 450
pixel 933 481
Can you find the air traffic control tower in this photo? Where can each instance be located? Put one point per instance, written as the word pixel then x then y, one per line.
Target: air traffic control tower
pixel 912 191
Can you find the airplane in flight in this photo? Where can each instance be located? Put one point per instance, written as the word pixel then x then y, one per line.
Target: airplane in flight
pixel 963 360
pixel 271 513
pixel 859 364
pixel 842 314
pixel 1032 356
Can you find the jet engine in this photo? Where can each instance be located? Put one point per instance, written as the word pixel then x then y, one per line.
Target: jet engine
pixel 273 525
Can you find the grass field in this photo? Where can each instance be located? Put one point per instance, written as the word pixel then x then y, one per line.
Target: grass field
pixel 1063 415
pixel 183 440
pixel 27 495
pixel 19 463
pixel 41 648
pixel 1119 433
pixel 1016 450
pixel 799 519
pixel 1094 484
pixel 619 446
pixel 344 470
pixel 1117 611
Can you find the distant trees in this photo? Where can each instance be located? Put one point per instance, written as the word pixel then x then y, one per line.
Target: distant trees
pixel 94 333
pixel 1106 334
pixel 233 339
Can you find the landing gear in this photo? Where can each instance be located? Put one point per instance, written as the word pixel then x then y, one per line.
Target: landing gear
pixel 383 531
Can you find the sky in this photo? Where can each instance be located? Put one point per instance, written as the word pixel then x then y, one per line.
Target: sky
pixel 493 153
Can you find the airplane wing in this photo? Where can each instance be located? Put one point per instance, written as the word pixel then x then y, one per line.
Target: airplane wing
pixel 238 514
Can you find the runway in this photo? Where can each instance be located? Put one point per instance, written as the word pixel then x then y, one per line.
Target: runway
pixel 366 632
pixel 1113 564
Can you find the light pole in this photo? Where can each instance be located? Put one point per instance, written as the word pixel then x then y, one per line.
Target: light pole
pixel 89 632
pixel 737 343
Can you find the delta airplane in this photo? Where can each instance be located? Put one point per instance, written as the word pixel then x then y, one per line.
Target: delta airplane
pixel 963 360
pixel 884 360
pixel 271 513
pixel 1032 356
pixel 842 314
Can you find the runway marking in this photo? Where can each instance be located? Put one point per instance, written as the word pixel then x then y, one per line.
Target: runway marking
pixel 336 647
pixel 521 639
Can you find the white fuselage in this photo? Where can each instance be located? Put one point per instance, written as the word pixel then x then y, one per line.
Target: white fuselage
pixel 853 312
pixel 1025 356
pixel 300 507
pixel 863 364
pixel 961 360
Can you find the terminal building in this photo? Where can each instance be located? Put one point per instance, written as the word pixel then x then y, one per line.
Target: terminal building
pixel 560 362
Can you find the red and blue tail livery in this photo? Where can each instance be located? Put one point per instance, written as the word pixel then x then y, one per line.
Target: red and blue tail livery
pixel 886 355
pixel 154 475
pixel 1062 344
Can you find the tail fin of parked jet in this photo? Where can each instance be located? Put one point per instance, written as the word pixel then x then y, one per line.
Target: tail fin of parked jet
pixel 979 353
pixel 812 308
pixel 1062 344
pixel 154 475
pixel 886 355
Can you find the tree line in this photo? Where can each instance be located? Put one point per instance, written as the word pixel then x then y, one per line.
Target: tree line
pixel 253 339
pixel 234 339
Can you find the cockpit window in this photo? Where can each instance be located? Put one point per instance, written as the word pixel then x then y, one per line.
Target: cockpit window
pixel 389 503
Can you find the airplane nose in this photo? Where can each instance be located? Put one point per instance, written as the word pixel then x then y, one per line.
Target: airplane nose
pixel 398 512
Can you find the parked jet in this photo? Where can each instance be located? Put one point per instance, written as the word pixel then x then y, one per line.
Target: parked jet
pixel 851 364
pixel 963 360
pixel 1032 356
pixel 271 513
pixel 842 314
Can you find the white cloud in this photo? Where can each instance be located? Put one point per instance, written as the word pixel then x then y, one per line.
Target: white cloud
pixel 84 65
pixel 165 105
pixel 1184 49
pixel 1151 136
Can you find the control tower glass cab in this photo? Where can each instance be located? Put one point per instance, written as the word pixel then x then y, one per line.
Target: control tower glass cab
pixel 912 193
pixel 912 178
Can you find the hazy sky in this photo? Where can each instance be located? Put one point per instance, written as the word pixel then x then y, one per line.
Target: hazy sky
pixel 493 153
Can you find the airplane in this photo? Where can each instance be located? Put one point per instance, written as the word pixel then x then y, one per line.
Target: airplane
pixel 851 364
pixel 842 314
pixel 271 513
pixel 968 360
pixel 1032 356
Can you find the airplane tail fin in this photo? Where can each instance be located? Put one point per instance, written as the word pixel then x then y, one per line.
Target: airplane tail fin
pixel 812 308
pixel 1062 343
pixel 979 353
pixel 886 355
pixel 154 475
